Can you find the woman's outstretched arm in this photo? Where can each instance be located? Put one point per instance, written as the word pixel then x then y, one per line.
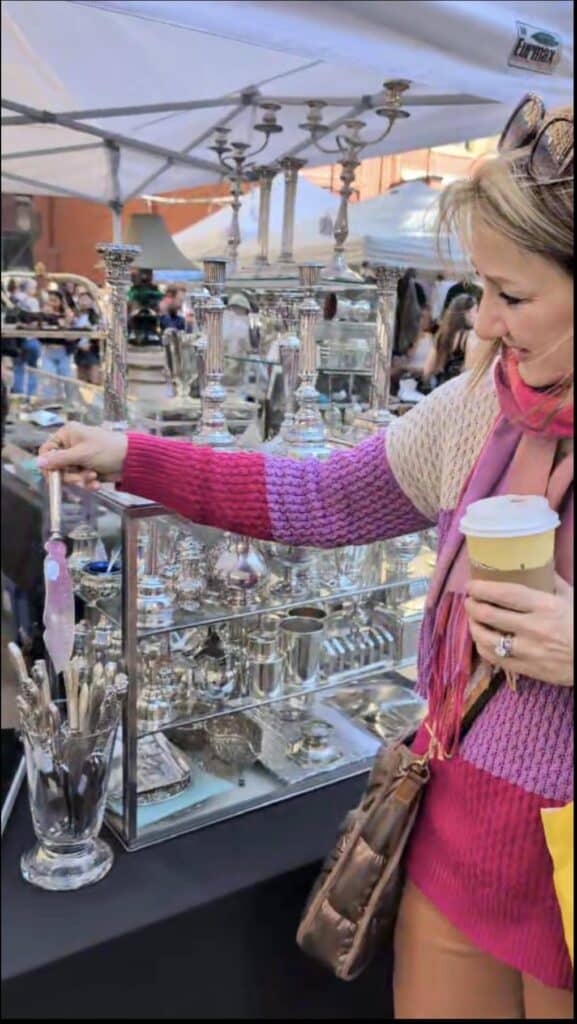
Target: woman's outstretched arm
pixel 388 485
pixel 350 498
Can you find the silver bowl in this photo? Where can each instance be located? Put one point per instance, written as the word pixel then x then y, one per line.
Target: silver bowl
pixel 236 740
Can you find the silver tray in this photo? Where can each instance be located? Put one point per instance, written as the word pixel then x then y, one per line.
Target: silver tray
pixel 163 771
pixel 278 737
pixel 386 710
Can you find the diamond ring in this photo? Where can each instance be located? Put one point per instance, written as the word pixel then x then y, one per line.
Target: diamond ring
pixel 504 646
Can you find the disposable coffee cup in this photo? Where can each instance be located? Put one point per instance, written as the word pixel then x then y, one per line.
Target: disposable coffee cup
pixel 511 539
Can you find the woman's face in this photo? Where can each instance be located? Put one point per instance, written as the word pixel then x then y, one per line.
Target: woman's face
pixel 528 303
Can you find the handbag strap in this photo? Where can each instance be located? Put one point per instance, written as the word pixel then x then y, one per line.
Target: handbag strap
pixel 479 699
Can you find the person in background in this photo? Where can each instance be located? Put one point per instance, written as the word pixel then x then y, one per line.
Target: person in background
pixel 452 351
pixel 463 287
pixel 368 273
pixel 437 297
pixel 29 350
pixel 144 293
pixel 236 337
pixel 171 315
pixel 56 351
pixel 419 353
pixel 69 294
pixel 411 300
pixel 42 283
pixel 87 350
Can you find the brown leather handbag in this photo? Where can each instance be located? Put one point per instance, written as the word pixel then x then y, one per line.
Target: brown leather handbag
pixel 353 906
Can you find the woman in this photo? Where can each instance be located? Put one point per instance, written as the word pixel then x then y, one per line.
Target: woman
pixel 419 353
pixel 28 350
pixel 56 351
pixel 454 344
pixel 479 932
pixel 87 351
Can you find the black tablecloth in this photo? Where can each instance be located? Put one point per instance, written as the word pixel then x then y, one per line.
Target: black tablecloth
pixel 201 926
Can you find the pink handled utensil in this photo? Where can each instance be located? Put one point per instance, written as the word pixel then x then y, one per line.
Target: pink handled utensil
pixel 59 592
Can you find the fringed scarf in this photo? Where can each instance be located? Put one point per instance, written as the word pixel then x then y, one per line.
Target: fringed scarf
pixel 519 457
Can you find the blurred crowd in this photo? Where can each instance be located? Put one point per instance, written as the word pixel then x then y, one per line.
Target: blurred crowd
pixel 434 334
pixel 40 305
pixel 434 330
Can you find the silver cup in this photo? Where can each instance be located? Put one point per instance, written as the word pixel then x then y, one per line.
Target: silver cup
pixel 302 643
pixel 265 667
pixel 308 611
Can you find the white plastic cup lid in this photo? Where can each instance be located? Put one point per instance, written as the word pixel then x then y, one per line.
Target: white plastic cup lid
pixel 509 515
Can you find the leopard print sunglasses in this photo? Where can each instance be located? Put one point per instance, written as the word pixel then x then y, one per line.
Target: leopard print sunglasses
pixel 550 140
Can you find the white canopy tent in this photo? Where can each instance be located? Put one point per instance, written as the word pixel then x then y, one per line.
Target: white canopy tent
pixel 397 227
pixel 314 206
pixel 109 100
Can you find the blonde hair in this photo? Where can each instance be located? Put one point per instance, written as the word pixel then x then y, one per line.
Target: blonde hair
pixel 535 217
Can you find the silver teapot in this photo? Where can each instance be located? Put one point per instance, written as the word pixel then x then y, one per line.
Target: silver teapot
pixel 238 571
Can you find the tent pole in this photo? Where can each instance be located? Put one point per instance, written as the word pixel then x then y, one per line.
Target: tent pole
pixel 116 223
pixel 47 117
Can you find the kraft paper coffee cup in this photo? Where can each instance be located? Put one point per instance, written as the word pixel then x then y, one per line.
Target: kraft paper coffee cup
pixel 511 539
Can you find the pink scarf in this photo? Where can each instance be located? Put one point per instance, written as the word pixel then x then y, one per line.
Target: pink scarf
pixel 517 458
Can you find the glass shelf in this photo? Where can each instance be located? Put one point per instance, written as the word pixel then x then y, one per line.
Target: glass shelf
pixel 243 705
pixel 212 614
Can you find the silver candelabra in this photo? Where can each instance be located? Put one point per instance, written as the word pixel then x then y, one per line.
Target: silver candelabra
pixel 349 146
pixel 235 158
pixel 118 260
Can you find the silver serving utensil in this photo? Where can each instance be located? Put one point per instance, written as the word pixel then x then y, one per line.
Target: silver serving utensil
pixel 42 680
pixel 25 711
pixel 28 689
pixel 97 692
pixel 113 560
pixel 84 708
pixel 17 659
pixel 71 685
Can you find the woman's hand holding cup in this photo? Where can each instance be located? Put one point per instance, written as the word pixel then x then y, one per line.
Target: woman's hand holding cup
pixel 540 626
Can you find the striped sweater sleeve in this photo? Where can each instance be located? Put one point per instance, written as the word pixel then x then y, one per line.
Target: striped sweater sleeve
pixel 351 498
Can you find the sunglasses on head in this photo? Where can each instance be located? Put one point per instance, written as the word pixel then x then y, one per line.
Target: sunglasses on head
pixel 550 140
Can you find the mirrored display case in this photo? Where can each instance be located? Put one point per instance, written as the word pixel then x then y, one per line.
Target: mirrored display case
pixel 255 671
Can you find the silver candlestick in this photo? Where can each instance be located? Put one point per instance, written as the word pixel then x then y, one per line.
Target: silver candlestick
pixel 309 435
pixel 338 267
pixel 180 360
pixel 234 236
pixel 200 347
pixel 118 260
pixel 213 429
pixel 378 415
pixel 289 348
pixel 291 166
pixel 265 176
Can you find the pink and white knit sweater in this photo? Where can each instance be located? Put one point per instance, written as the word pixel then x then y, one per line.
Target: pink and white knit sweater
pixel 478 851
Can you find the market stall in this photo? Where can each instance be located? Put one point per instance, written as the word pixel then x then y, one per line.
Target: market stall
pixel 221 682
